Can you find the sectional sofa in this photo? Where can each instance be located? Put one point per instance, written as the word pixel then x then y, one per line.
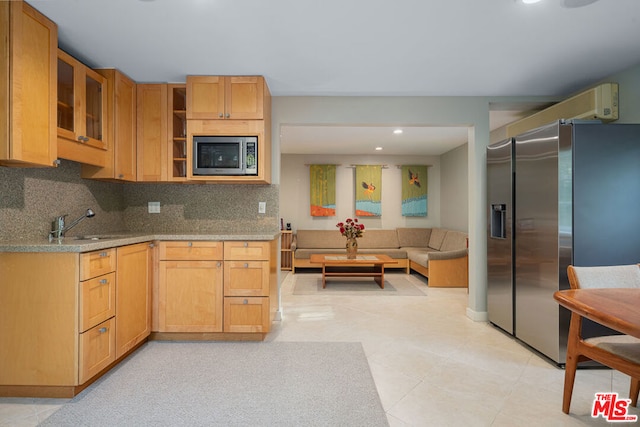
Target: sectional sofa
pixel 439 254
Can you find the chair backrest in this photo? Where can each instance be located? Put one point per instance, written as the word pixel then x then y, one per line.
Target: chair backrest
pixel 615 276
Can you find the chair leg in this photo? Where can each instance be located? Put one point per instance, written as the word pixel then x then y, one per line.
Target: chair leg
pixel 633 391
pixel 572 361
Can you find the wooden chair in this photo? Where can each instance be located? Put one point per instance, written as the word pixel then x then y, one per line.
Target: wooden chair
pixel 619 352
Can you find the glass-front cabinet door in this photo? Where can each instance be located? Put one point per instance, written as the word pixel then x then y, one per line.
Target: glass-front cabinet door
pixel 81 103
pixel 93 107
pixel 66 101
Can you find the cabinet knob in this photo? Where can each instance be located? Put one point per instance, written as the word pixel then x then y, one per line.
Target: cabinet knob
pixel 102 330
pixel 245 301
pixel 246 265
pixel 246 244
pixel 228 115
pixel 220 115
pixel 219 264
pixel 120 175
pixel 103 254
pixel 104 281
pixel 190 244
pixel 152 245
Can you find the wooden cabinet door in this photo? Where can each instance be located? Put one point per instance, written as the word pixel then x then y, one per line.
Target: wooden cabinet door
pixel 246 278
pixel 125 150
pixel 152 132
pixel 244 98
pixel 190 296
pixel 133 296
pixel 97 350
pixel 205 97
pixel 28 71
pixel 246 314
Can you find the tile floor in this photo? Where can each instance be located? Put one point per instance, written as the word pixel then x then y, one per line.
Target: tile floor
pixel 431 364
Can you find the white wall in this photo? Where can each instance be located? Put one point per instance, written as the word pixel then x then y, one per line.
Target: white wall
pixel 454 188
pixel 294 191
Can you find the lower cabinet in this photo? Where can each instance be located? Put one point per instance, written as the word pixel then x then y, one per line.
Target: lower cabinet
pixel 215 287
pixel 190 296
pixel 133 296
pixel 67 316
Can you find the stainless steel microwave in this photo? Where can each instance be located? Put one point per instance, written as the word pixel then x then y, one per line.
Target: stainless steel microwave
pixel 225 155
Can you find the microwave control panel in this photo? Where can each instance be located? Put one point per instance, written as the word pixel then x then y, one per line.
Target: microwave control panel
pixel 251 156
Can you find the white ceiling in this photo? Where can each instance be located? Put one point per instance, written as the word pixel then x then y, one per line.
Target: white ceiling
pixel 360 47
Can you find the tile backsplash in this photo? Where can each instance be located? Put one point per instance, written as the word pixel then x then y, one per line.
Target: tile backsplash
pixel 31 198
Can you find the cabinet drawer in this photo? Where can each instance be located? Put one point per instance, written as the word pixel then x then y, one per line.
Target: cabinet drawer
pixel 97 300
pixel 246 251
pixel 97 349
pixel 191 251
pixel 250 314
pixel 246 278
pixel 97 263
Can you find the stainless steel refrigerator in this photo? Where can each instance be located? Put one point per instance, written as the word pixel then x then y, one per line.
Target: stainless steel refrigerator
pixel 565 193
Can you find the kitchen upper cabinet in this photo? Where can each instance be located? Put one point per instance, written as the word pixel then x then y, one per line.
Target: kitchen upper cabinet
pixel 28 45
pixel 152 137
pixel 133 297
pixel 227 97
pixel 121 127
pixel 82 135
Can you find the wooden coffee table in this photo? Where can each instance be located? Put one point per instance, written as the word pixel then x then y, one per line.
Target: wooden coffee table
pixel 365 265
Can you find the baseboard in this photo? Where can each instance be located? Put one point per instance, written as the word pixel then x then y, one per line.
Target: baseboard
pixel 477 316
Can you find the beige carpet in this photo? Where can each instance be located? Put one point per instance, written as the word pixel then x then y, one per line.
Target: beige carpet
pixel 232 384
pixel 395 284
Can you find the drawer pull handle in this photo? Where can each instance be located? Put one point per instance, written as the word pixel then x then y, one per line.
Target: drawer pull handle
pixel 104 281
pixel 245 301
pixel 219 264
pixel 246 265
pixel 102 330
pixel 190 244
pixel 103 254
pixel 246 244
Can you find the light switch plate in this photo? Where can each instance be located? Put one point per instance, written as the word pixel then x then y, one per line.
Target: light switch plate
pixel 262 207
pixel 154 207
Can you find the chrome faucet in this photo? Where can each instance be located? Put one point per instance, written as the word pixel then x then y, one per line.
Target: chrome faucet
pixel 59 228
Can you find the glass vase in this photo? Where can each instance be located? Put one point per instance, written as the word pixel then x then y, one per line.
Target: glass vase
pixel 352 248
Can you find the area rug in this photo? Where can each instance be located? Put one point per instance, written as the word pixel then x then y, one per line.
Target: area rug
pixel 231 384
pixel 395 284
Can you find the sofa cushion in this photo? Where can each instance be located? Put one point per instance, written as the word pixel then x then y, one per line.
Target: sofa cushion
pixel 437 237
pixel 420 255
pixel 414 237
pixel 320 239
pixel 454 240
pixel 378 238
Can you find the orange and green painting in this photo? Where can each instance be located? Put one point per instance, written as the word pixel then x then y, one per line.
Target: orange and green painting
pixel 368 190
pixel 414 190
pixel 323 190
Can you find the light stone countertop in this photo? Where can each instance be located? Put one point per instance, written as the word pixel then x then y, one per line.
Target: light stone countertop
pixel 73 244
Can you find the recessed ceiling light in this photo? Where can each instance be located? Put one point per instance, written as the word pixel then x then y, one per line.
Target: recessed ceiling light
pixel 530 1
pixel 397 131
pixel 378 148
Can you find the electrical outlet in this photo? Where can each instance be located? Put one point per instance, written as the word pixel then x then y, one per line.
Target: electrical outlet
pixel 154 207
pixel 262 207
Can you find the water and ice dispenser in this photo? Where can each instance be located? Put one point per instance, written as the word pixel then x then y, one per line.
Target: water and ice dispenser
pixel 498 221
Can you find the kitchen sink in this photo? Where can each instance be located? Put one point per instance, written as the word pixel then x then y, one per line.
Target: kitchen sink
pixel 99 237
